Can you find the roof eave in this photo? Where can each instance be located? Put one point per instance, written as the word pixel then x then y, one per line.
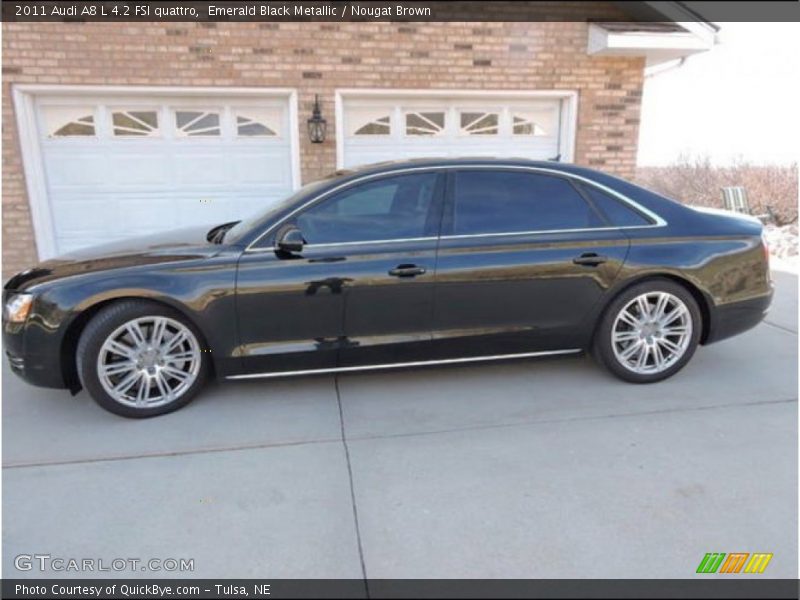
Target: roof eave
pixel 656 47
pixel 674 12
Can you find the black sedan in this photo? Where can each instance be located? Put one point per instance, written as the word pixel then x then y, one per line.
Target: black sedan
pixel 393 265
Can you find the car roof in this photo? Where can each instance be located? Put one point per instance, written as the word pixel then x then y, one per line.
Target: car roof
pixel 397 165
pixel 447 162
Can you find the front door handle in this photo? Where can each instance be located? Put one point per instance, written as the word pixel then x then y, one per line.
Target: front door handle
pixel 590 259
pixel 406 270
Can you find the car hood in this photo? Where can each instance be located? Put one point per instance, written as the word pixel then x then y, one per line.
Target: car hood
pixel 177 245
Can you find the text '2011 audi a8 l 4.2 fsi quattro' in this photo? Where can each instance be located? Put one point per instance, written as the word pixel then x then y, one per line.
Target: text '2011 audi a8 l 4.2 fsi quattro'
pixel 393 265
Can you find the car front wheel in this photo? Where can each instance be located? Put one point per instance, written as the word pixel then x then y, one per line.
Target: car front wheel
pixel 649 332
pixel 141 359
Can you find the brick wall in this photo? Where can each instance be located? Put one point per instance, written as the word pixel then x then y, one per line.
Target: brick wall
pixel 317 58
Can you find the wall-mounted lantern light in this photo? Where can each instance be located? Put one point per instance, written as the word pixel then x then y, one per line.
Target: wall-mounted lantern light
pixel 317 126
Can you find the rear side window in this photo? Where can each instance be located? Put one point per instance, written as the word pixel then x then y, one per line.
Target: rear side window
pixel 510 201
pixel 616 211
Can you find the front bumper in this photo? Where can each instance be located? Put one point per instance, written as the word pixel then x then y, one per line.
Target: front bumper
pixel 734 318
pixel 39 369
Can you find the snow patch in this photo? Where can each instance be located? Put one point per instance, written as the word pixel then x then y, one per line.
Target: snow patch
pixel 783 247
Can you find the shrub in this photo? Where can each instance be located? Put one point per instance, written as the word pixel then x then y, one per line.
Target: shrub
pixel 694 180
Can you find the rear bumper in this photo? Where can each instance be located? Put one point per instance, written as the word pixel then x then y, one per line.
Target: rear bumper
pixel 731 319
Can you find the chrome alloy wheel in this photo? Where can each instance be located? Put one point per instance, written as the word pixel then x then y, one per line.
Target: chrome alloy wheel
pixel 651 333
pixel 149 362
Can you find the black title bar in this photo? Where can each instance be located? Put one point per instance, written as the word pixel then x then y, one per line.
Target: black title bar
pixel 397 10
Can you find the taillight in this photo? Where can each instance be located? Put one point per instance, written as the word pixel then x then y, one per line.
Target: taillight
pixel 765 247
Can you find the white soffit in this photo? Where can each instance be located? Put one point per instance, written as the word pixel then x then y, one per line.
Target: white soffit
pixel 656 46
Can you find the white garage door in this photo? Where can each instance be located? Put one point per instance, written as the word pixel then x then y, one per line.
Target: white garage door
pixel 121 166
pixel 389 127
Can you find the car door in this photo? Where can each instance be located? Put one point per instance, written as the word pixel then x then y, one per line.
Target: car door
pixel 360 291
pixel 523 258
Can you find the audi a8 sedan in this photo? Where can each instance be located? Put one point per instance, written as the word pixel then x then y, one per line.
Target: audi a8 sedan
pixel 393 265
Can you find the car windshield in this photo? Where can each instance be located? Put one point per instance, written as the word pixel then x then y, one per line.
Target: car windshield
pixel 242 227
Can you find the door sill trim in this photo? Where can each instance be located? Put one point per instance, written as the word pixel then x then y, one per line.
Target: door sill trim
pixel 418 363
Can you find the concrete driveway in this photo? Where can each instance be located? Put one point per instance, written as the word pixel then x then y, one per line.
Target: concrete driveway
pixel 509 470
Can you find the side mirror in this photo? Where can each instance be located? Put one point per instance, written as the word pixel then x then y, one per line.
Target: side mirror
pixel 290 240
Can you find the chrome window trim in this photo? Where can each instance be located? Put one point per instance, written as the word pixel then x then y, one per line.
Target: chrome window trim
pixel 394 241
pixel 416 363
pixel 658 220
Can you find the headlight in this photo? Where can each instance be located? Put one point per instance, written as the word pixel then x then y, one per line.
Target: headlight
pixel 17 308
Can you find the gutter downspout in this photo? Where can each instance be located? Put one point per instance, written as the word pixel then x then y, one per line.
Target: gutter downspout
pixel 678 62
pixel 670 66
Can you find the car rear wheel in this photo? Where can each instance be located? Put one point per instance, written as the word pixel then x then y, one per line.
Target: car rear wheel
pixel 141 359
pixel 649 332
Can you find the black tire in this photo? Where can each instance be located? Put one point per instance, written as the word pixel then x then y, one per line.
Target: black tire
pixel 101 326
pixel 602 348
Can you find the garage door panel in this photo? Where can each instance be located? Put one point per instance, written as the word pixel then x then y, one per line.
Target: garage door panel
pixel 271 168
pixel 72 243
pixel 144 215
pixel 81 215
pixel 137 168
pixel 74 166
pixel 112 184
pixel 199 169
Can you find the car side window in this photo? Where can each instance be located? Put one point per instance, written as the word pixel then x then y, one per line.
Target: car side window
pixel 495 201
pixel 618 213
pixel 390 208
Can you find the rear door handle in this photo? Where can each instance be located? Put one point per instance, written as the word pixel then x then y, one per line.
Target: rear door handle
pixel 590 259
pixel 406 271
